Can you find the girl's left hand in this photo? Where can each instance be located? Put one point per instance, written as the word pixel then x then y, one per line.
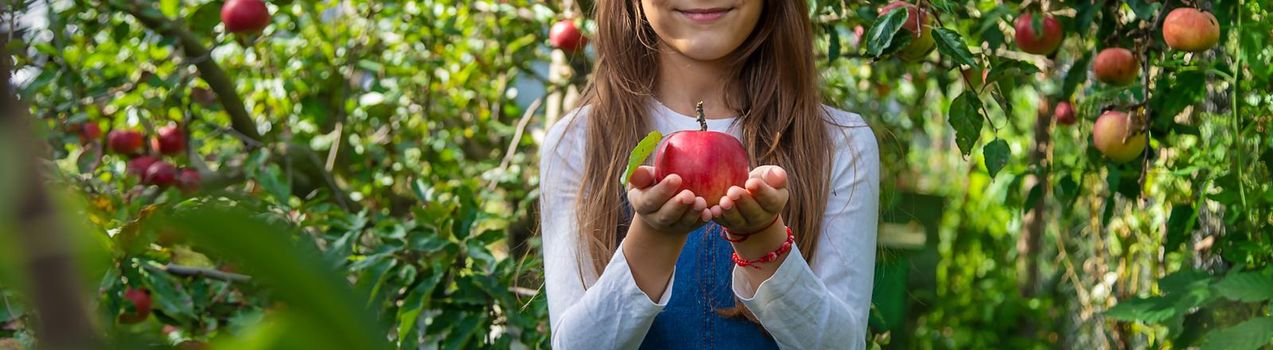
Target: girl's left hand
pixel 755 207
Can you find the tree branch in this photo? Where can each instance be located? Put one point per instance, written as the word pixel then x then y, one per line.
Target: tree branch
pixel 967 81
pixel 199 55
pixel 517 137
pixel 190 271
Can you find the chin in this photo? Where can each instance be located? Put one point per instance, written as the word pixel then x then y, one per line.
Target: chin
pixel 705 50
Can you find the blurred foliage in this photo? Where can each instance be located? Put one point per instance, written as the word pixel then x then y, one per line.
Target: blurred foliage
pixel 384 123
pixel 381 209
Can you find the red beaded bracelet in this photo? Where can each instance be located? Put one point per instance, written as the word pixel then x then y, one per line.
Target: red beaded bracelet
pixel 768 257
pixel 725 233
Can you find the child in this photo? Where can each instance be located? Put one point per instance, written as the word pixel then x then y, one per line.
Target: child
pixel 785 261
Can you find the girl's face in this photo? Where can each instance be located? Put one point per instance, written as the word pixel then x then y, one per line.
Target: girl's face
pixel 704 30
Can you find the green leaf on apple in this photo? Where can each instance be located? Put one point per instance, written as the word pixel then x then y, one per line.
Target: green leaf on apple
pixel 881 34
pixel 640 153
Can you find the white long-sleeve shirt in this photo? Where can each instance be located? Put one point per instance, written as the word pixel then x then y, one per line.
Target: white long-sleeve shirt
pixel 823 306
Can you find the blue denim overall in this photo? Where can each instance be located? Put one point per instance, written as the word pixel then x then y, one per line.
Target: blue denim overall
pixel 703 284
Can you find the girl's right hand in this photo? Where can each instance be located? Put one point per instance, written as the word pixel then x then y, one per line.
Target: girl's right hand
pixel 661 207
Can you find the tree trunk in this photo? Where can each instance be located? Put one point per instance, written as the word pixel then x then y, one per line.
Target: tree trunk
pixel 1030 241
pixel 63 319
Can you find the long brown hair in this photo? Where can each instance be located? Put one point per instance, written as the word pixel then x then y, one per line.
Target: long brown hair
pixel 782 124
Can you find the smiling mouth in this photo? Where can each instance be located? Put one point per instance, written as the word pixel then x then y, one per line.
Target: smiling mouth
pixel 705 15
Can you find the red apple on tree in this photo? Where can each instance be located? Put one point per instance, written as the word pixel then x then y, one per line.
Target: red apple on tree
pixel 1116 66
pixel 138 166
pixel 138 307
pixel 88 132
pixel 977 80
pixel 919 25
pixel 1064 113
pixel 1187 29
pixel 708 162
pixel 245 16
pixel 189 180
pixel 160 174
pixel 566 36
pixel 128 142
pixel 170 140
pixel 1035 42
pixel 1115 137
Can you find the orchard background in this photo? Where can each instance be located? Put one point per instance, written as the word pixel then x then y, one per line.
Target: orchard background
pixel 362 174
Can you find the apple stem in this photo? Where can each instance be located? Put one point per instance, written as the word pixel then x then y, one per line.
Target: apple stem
pixel 702 119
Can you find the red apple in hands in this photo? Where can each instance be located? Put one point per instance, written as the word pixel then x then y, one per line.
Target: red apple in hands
pixel 140 300
pixel 1064 113
pixel 566 36
pixel 127 142
pixel 1034 42
pixel 1116 66
pixel 708 162
pixel 1111 136
pixel 245 16
pixel 170 140
pixel 1187 29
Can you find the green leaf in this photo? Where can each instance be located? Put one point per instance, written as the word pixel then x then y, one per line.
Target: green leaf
pixel 1036 25
pixel 371 66
pixel 1031 197
pixel 1075 76
pixel 1144 10
pixel 169 7
pixel 1252 334
pixel 463 331
pixel 40 81
pixel 1148 310
pixel 415 303
pixel 1066 190
pixel 900 41
pixel 423 191
pixel 170 297
pixel 281 259
pixel 1253 286
pixel 206 17
pixel 1009 68
pixel 833 44
pixel 640 153
pixel 987 27
pixel 965 116
pixel 1083 19
pixel 881 34
pixel 371 279
pixel 997 154
pixel 1178 91
pixel 952 45
pixel 1183 290
pixel 1182 281
pixel 9 311
pixel 1184 217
